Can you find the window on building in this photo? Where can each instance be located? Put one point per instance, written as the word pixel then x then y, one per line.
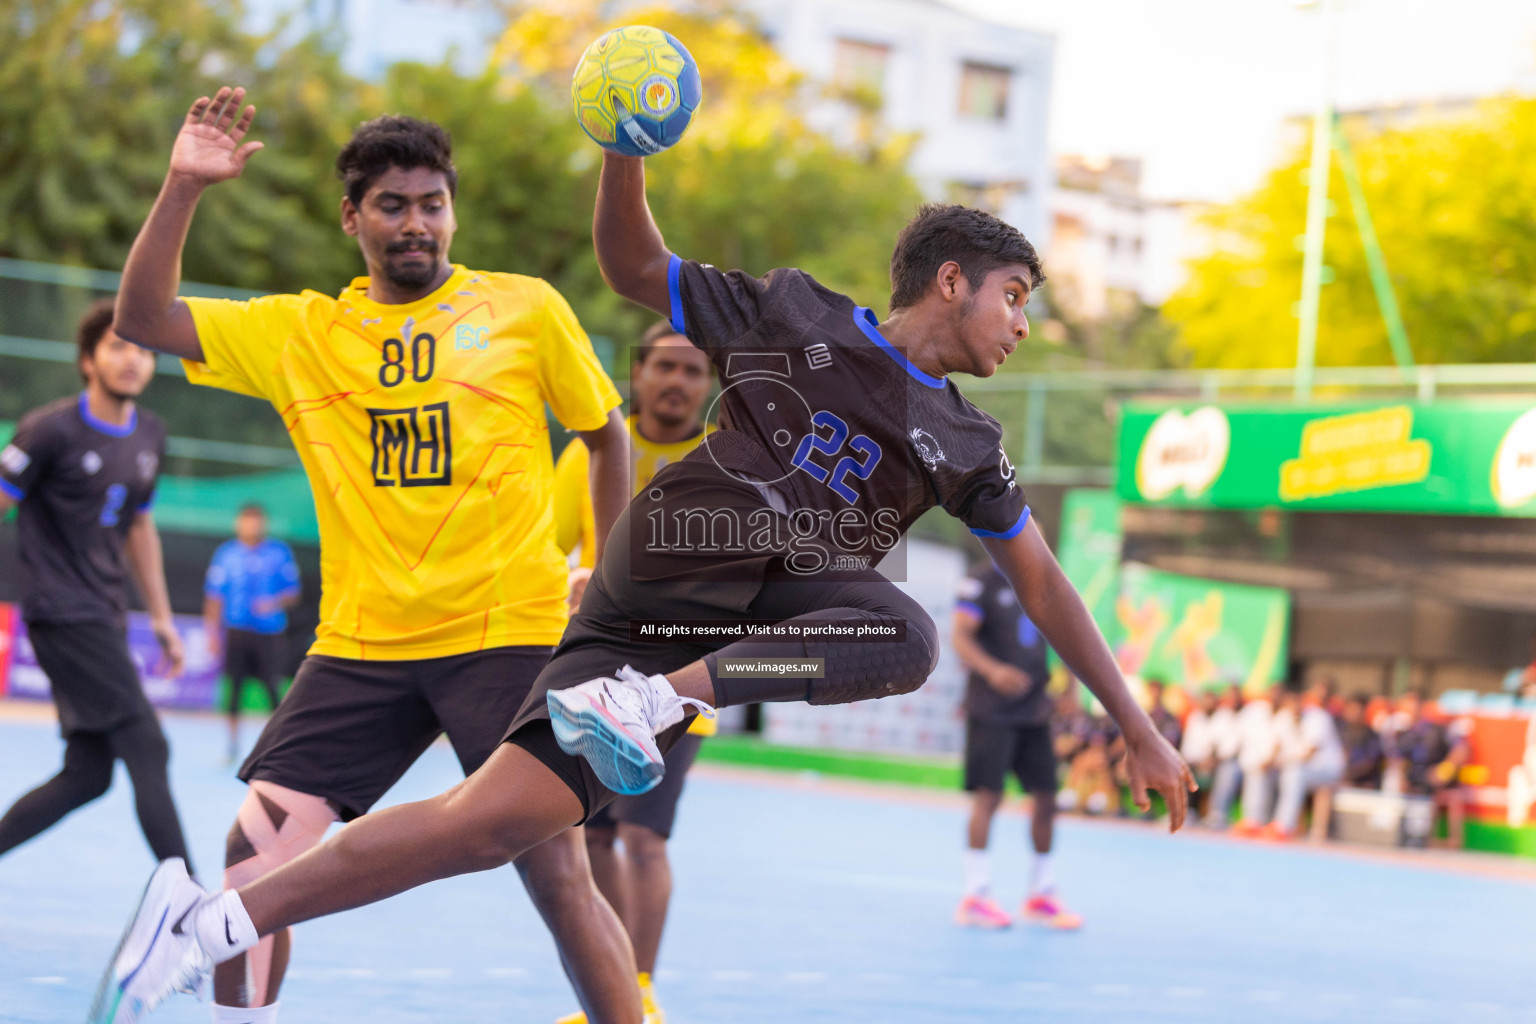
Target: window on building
pixel 860 66
pixel 984 91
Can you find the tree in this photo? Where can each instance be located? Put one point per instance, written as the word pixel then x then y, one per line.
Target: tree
pixel 91 96
pixel 1456 217
pixel 752 185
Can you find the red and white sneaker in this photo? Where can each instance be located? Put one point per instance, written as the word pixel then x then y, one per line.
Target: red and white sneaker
pixel 981 912
pixel 1048 911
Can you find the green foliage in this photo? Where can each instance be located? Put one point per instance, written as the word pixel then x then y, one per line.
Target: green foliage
pixel 1456 217
pixel 91 96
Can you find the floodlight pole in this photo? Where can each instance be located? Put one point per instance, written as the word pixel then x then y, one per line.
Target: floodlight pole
pixel 1317 205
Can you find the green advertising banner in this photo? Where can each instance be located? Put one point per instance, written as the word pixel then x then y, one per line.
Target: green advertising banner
pixel 1451 458
pixel 1196 633
pixel 1089 549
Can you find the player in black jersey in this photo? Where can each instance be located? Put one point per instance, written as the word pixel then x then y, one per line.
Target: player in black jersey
pixel 82 471
pixel 837 432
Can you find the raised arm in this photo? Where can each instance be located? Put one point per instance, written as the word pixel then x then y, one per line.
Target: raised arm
pixel 630 250
pixel 208 150
pixel 1052 603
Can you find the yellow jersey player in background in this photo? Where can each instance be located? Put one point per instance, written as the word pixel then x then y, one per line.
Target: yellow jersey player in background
pixel 627 840
pixel 416 401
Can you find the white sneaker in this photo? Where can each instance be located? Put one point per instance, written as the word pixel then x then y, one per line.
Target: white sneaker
pixel 613 722
pixel 159 954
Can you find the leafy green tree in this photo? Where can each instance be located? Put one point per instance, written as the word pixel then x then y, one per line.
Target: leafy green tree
pixel 1456 216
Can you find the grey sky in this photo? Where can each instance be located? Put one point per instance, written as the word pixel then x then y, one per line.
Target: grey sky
pixel 1199 88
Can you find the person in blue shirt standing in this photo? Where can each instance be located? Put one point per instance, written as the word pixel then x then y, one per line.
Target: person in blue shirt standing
pixel 251 583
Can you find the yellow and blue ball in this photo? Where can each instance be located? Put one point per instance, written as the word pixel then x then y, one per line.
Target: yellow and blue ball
pixel 635 89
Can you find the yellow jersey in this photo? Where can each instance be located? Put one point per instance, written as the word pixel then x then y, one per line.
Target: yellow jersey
pixel 423 432
pixel 575 528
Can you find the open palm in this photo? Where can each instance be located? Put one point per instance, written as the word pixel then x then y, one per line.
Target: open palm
pixel 210 148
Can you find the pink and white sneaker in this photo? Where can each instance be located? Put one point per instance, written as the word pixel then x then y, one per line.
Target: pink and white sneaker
pixel 981 912
pixel 1047 910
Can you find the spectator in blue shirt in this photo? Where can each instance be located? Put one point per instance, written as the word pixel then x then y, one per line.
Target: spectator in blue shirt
pixel 251 582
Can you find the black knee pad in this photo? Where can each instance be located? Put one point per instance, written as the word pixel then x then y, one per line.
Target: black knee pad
pixel 862 671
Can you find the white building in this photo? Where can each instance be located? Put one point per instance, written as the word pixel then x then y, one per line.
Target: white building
pixel 977 93
pixel 1109 244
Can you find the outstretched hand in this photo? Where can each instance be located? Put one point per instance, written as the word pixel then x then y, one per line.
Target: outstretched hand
pixel 1152 763
pixel 209 148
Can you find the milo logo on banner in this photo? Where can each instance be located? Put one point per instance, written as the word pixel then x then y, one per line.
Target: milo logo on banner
pixel 1514 465
pixel 1183 451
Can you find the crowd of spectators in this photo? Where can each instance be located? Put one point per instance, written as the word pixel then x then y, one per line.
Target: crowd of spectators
pixel 1268 755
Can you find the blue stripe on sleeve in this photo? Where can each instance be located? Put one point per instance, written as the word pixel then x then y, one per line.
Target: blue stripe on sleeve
pixel 970 608
pixel 1011 532
pixel 675 292
pixel 12 491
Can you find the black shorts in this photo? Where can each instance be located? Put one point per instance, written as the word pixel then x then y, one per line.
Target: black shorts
pixel 656 810
pixel 348 729
pixel 598 643
pixel 992 750
pixel 94 680
pixel 249 655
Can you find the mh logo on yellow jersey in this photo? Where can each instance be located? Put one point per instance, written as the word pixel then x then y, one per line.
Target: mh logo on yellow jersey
pixel 412 447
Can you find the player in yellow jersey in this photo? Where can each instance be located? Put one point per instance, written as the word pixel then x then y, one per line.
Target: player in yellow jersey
pixel 416 401
pixel 627 840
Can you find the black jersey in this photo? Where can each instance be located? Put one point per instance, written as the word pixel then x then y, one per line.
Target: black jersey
pixel 847 437
pixel 81 483
pixel 1008 635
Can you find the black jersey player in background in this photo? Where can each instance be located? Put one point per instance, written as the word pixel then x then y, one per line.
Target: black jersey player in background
pixel 887 434
pixel 1007 729
pixel 83 471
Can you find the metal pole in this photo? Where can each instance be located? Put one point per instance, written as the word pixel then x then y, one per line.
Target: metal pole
pixel 1317 207
pixel 1375 262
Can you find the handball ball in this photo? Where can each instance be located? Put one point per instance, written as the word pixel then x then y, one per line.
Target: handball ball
pixel 635 90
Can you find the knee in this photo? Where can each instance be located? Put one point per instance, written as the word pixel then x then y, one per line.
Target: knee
pixel 90 781
pixel 600 840
pixel 556 881
pixel 921 654
pixel 645 847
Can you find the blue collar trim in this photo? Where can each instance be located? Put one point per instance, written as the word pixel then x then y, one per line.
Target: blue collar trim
pixel 110 429
pixel 865 318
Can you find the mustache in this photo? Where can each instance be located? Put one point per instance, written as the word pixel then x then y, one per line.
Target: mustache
pixel 426 245
pixel 672 393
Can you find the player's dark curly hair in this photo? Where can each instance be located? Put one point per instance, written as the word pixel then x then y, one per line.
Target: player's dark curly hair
pixel 93 326
pixel 941 232
pixel 394 141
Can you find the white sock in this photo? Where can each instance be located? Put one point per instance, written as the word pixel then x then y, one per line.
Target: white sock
pixel 245 1014
pixel 1042 875
pixel 223 928
pixel 978 872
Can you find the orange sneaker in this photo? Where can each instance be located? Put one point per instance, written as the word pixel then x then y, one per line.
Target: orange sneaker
pixel 1247 830
pixel 1048 911
pixel 981 912
pixel 1275 833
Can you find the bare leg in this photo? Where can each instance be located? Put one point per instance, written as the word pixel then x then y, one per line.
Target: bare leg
pixel 1042 820
pixel 505 809
pixel 608 866
pixel 984 804
pixel 650 892
pixel 588 933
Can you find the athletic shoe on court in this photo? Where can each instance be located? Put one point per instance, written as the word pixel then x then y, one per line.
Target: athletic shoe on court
pixel 648 1006
pixel 158 954
pixel 981 912
pixel 613 722
pixel 1048 911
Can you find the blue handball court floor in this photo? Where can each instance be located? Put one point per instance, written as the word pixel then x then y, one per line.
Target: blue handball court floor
pixel 800 900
